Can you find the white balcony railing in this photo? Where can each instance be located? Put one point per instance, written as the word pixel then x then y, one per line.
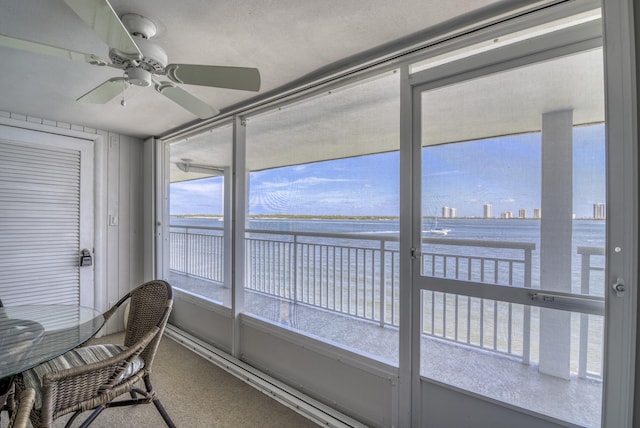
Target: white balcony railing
pixel 499 327
pixel 357 275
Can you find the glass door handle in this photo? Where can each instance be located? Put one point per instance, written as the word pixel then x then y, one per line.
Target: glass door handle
pixel 585 304
pixel 618 287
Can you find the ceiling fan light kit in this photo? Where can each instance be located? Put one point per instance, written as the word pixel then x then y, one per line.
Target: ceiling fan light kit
pixel 141 60
pixel 138 76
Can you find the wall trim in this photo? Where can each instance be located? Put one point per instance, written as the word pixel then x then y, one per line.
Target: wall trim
pixel 50 126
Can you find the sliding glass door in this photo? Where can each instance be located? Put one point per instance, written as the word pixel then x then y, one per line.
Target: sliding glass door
pixel 509 233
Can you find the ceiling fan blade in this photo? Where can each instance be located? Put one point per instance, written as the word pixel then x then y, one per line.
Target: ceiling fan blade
pixel 100 16
pixel 43 49
pixel 105 92
pixel 186 100
pixel 244 78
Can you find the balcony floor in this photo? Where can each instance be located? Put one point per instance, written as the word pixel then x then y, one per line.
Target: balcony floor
pixel 482 372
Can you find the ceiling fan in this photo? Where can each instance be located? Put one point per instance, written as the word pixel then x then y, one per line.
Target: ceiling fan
pixel 143 62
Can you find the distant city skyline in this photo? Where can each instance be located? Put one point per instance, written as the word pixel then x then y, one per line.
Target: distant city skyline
pixel 599 212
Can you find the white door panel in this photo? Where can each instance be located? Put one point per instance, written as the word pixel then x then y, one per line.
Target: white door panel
pixel 46 217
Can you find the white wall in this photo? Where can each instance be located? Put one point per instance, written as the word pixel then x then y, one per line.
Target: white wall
pixel 118 252
pixel 124 237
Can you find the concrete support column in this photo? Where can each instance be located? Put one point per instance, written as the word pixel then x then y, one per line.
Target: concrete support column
pixel 555 238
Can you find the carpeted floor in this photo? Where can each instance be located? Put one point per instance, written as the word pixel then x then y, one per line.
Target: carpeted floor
pixel 196 393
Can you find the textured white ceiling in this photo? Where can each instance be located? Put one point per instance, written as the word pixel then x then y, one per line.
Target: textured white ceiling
pixel 363 118
pixel 284 39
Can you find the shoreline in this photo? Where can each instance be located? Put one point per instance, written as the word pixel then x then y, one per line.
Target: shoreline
pixel 345 217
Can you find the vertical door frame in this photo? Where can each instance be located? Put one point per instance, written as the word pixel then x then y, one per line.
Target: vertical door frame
pixel 409 349
pixel 622 211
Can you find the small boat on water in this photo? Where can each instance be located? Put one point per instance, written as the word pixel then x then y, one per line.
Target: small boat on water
pixel 438 230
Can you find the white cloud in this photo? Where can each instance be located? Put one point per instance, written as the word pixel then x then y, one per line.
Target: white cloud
pixel 442 173
pixel 197 187
pixel 306 181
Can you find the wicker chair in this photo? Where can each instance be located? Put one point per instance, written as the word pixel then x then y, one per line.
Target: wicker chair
pixel 20 418
pixel 91 377
pixel 7 401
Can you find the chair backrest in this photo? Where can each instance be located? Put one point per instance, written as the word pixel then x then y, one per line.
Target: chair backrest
pixel 149 307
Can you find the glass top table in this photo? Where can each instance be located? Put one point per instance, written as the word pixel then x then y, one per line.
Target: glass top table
pixel 33 334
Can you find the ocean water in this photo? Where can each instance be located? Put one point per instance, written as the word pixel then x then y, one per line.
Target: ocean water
pixel 589 233
pixel 585 232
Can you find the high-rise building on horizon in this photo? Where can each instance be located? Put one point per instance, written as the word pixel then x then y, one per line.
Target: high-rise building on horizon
pixel 488 211
pixel 599 211
pixel 537 213
pixel 448 212
pixel 522 213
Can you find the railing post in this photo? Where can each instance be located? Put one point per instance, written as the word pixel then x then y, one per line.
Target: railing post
pixel 187 247
pixel 526 323
pixel 295 269
pixel 585 274
pixel 382 284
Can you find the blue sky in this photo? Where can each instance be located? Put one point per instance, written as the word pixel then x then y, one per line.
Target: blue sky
pixel 504 172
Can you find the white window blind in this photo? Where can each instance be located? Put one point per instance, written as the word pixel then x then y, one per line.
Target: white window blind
pixel 39 224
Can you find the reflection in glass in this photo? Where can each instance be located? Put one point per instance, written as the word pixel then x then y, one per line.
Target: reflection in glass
pixel 322 225
pixel 477 345
pixel 198 249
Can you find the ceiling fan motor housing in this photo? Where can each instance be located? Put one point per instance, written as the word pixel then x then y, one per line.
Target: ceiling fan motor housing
pixel 154 58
